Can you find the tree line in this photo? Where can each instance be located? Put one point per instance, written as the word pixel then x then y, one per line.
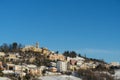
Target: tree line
pixel 72 54
pixel 14 47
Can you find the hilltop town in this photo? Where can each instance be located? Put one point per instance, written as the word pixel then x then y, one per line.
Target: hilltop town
pixel 33 62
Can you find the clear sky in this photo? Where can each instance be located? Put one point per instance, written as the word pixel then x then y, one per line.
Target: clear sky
pixel 90 27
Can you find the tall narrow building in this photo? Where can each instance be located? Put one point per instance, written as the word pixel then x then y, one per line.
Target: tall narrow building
pixel 37 44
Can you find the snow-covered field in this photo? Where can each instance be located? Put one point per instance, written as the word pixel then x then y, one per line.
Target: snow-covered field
pixel 61 77
pixel 117 74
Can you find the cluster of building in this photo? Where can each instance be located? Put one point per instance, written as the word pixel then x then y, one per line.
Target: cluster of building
pixel 8 65
pixel 51 55
pixel 117 64
pixel 59 63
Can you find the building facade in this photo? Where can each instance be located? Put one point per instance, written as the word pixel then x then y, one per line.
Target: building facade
pixel 62 66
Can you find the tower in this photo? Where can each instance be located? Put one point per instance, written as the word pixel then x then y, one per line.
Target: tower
pixel 37 44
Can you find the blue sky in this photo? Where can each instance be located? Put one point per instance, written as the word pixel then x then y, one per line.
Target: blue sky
pixel 90 27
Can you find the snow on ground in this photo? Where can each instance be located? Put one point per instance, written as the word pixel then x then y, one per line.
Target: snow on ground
pixel 117 74
pixel 61 77
pixel 4 78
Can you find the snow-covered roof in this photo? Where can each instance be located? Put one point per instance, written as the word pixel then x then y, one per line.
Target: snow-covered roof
pixel 31 66
pixel 7 72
